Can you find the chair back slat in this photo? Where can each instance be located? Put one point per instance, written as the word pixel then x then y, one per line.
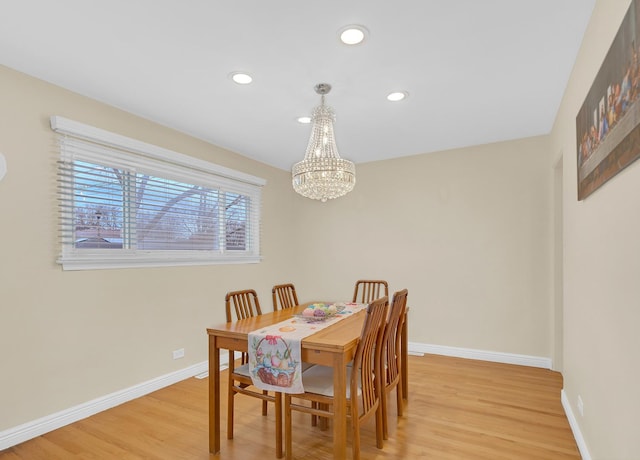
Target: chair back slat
pixel 285 296
pixel 366 291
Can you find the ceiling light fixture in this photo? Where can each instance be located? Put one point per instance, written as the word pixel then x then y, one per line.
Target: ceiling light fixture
pixel 241 78
pixel 353 35
pixel 323 175
pixel 397 96
pixel 304 120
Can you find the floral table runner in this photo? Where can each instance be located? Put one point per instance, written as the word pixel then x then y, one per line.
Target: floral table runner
pixel 275 352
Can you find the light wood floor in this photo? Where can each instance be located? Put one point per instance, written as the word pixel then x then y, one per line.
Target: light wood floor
pixel 458 409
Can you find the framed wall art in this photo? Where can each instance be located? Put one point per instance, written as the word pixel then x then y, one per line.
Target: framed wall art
pixel 608 123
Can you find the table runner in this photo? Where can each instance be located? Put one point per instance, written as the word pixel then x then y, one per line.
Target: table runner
pixel 275 362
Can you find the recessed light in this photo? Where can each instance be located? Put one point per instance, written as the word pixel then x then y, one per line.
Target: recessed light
pixel 353 35
pixel 304 120
pixel 397 96
pixel 241 78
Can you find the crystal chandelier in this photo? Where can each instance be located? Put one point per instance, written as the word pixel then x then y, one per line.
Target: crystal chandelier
pixel 323 175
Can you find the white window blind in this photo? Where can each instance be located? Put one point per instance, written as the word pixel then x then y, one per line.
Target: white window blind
pixel 125 203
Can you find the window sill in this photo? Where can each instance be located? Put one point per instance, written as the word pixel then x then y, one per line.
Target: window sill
pixel 98 260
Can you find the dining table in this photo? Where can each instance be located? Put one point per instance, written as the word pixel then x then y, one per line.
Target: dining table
pixel 332 346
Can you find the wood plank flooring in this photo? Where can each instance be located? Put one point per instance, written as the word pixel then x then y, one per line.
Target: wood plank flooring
pixel 458 409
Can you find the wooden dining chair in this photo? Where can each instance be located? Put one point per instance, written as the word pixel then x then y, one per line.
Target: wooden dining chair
pixel 241 305
pixel 366 291
pixel 284 296
pixel 391 356
pixel 363 384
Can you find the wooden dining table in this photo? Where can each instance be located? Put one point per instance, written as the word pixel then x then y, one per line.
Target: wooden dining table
pixel 332 346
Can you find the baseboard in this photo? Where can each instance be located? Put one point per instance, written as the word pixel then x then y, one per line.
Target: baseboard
pixel 494 356
pixel 575 428
pixel 43 425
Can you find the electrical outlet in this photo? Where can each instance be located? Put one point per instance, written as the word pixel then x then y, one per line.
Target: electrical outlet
pixel 580 406
pixel 177 354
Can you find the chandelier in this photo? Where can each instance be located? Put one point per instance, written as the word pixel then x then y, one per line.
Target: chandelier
pixel 323 175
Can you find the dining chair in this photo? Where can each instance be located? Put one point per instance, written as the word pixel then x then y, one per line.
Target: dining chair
pixel 363 384
pixel 366 291
pixel 245 304
pixel 391 356
pixel 284 295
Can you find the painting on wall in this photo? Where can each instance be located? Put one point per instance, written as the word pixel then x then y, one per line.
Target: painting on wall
pixel 608 123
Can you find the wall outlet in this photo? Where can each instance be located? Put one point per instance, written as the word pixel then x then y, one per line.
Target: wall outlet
pixel 580 406
pixel 177 354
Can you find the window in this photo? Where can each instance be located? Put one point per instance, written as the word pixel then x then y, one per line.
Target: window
pixel 124 203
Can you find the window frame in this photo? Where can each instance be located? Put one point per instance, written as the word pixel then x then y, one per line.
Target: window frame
pixel 176 165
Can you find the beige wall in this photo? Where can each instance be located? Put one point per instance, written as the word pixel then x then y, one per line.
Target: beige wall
pixel 602 272
pixel 466 231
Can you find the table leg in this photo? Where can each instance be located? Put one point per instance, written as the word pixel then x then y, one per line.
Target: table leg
pixel 404 372
pixel 214 395
pixel 278 409
pixel 340 407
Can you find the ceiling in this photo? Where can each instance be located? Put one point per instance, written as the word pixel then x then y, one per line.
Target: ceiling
pixel 476 71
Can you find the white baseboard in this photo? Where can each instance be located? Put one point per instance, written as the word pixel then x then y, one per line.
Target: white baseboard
pixel 575 428
pixel 494 356
pixel 43 425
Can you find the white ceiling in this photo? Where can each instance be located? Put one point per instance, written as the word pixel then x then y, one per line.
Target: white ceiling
pixel 476 71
